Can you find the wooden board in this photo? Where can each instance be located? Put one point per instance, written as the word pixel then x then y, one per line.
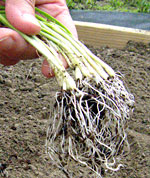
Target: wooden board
pixel 107 35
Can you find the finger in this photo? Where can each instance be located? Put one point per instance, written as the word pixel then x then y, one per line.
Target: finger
pixel 47 71
pixel 13 47
pixel 20 14
pixel 59 10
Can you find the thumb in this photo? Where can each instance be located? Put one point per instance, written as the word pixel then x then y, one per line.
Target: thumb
pixel 21 15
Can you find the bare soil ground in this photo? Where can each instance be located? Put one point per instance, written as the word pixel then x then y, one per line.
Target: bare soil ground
pixel 26 99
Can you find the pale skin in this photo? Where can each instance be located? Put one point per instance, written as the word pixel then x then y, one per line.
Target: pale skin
pixel 20 14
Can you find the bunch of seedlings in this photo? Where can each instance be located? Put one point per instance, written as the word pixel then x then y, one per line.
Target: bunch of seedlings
pixel 87 128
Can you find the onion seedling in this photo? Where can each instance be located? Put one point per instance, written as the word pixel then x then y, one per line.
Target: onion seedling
pixel 89 119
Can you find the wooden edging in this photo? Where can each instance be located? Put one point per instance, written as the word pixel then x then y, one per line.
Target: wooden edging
pixel 107 35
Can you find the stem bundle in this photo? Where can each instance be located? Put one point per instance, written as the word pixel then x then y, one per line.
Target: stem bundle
pixel 89 118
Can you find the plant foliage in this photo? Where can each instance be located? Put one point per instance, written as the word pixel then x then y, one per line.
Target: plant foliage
pixel 142 6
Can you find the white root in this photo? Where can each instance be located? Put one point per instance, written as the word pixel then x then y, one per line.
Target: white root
pixel 89 127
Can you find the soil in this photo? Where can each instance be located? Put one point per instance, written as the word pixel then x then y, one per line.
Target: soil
pixel 26 98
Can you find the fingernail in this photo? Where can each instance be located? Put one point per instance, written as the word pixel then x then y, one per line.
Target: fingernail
pixel 7 42
pixel 31 18
pixel 4 38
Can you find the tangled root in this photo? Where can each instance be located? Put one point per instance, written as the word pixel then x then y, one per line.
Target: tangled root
pixel 88 127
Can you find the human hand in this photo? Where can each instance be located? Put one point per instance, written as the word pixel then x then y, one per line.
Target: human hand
pixel 20 14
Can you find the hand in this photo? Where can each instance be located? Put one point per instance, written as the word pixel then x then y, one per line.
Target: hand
pixel 20 14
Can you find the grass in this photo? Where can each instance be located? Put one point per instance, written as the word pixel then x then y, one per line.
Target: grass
pixel 136 6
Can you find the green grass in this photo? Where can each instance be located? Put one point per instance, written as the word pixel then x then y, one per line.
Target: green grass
pixel 141 6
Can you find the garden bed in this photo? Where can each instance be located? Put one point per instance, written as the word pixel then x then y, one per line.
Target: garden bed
pixel 26 99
